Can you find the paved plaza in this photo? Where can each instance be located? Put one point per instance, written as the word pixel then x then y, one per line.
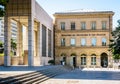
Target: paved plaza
pixel 87 76
pixel 77 76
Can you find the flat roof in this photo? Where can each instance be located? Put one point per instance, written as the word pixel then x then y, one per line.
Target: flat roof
pixel 84 12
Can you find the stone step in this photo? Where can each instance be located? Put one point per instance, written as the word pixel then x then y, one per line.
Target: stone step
pixel 35 77
pixel 18 77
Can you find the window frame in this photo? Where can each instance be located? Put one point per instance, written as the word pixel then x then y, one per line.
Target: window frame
pixel 92 41
pixel 93 60
pixel 93 25
pixel 61 25
pixel 83 25
pixel 71 42
pixel 72 25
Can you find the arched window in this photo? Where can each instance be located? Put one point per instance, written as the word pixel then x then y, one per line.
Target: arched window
pixel 83 59
pixel 93 59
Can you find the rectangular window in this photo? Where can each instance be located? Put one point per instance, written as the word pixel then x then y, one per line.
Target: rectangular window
pixel 83 60
pixel 83 41
pixel 94 41
pixel 43 40
pixel 104 25
pixel 73 26
pixel 62 25
pixel 103 41
pixel 49 43
pixel 93 25
pixel 83 25
pixel 93 60
pixel 63 42
pixel 72 42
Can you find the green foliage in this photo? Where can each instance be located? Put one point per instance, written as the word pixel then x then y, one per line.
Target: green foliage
pixel 115 42
pixel 1 44
pixel 13 44
pixel 3 4
pixel 51 62
pixel 1 54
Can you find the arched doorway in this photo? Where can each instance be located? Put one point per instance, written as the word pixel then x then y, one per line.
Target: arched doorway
pixel 104 60
pixel 73 60
pixel 63 58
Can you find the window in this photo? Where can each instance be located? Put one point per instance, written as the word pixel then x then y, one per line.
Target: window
pixel 73 26
pixel 104 25
pixel 83 59
pixel 72 42
pixel 49 43
pixel 94 41
pixel 63 42
pixel 43 40
pixel 103 41
pixel 83 25
pixel 62 25
pixel 83 41
pixel 93 60
pixel 93 25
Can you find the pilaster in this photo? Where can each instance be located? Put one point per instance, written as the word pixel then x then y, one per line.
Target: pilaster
pixel 19 42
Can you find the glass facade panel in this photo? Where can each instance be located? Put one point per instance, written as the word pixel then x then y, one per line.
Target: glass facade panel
pixel 43 40
pixel 49 43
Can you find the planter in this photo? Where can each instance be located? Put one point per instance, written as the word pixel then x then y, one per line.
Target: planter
pixel 1 60
pixel 15 60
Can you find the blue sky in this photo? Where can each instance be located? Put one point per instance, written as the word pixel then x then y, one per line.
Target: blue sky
pixel 52 6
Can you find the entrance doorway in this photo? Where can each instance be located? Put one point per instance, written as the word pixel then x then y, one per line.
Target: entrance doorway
pixel 104 60
pixel 74 61
pixel 64 60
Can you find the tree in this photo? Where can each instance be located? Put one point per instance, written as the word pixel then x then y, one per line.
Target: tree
pixel 3 4
pixel 13 45
pixel 115 42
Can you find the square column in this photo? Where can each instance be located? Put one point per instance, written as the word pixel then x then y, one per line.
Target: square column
pixel 19 42
pixel 30 41
pixel 7 41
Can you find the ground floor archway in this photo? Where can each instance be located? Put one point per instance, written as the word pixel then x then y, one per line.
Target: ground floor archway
pixel 104 60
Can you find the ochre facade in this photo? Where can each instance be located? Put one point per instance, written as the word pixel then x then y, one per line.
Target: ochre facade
pixel 82 38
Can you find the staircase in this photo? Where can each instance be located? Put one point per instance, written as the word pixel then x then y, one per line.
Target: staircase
pixel 35 77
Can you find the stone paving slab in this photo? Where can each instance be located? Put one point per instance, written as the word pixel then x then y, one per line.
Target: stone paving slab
pixel 76 81
pixel 87 76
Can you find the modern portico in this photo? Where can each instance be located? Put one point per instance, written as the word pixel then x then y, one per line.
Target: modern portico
pixel 28 13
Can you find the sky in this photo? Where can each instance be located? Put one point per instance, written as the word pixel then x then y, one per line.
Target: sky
pixel 52 6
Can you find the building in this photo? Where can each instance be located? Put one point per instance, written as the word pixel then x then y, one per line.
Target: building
pixel 13 30
pixel 82 38
pixel 37 25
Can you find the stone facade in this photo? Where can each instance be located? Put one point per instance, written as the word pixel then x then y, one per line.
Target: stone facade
pixel 82 38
